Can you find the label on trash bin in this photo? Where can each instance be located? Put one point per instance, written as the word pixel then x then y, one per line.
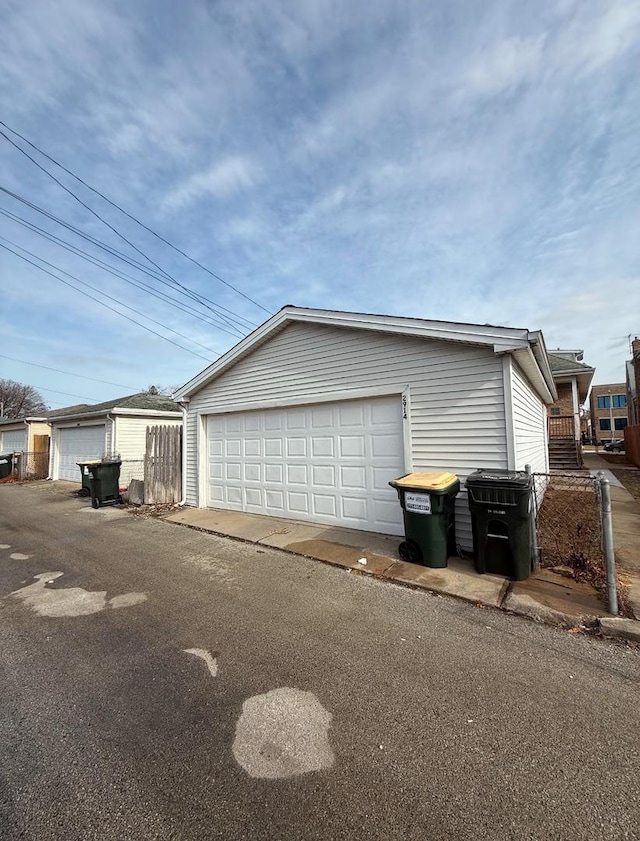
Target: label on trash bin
pixel 417 503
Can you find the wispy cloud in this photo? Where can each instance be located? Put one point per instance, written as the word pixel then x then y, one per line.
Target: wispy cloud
pixel 437 158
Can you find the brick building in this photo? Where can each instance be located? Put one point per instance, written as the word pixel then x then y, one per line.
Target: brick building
pixel 609 412
pixel 633 383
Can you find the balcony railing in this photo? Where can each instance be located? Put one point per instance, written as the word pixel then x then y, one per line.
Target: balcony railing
pixel 562 426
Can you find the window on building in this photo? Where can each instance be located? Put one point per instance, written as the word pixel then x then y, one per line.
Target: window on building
pixel 605 425
pixel 620 423
pixel 619 401
pixel 555 410
pixel 604 402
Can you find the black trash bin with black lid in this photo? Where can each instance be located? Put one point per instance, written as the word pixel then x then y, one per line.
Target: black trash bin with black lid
pixel 428 509
pixel 501 505
pixel 105 481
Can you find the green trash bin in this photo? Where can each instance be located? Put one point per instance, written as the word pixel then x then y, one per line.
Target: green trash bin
pixel 105 481
pixel 428 509
pixel 87 478
pixel 6 465
pixel 501 505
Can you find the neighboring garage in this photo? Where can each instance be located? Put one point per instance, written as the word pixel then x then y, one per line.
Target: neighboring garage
pixel 311 415
pixel 117 427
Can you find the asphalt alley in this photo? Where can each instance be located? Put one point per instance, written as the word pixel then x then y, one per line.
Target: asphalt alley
pixel 225 690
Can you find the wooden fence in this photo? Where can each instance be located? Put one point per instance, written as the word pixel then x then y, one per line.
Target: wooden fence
pixel 632 444
pixel 163 465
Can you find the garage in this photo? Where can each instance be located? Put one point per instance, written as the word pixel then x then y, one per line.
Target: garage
pixel 78 444
pixel 312 414
pixel 329 463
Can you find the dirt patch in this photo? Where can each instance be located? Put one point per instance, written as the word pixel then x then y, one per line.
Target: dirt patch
pixel 570 535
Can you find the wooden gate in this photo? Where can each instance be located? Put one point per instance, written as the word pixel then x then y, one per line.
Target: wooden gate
pixel 163 465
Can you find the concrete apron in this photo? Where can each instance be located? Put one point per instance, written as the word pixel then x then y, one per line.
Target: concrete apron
pixel 546 596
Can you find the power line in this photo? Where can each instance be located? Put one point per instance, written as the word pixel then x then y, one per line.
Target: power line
pixel 229 319
pixel 60 371
pixel 110 297
pixel 113 204
pixel 98 301
pixel 128 215
pixel 66 393
pixel 101 264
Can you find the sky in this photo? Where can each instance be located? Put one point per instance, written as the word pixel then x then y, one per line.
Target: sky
pixel 445 159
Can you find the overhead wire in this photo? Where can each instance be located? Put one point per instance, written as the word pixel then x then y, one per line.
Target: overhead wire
pixel 102 303
pixel 126 213
pixel 110 297
pixel 60 371
pixel 112 270
pixel 224 313
pixel 99 217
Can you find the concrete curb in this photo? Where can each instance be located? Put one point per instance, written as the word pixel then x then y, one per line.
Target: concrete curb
pixel 623 629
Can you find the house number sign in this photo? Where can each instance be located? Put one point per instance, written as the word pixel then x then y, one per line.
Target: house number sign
pixel 404 406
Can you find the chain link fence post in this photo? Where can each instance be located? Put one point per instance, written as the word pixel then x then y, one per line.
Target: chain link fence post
pixel 535 553
pixel 607 539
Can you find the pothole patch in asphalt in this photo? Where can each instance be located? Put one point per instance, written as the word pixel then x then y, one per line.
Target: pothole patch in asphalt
pixel 283 733
pixel 5 546
pixel 18 556
pixel 70 601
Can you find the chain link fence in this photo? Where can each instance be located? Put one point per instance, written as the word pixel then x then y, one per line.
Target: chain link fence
pixel 26 466
pixel 569 523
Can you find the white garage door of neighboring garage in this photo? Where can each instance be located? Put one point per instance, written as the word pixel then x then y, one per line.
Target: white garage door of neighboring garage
pixel 78 444
pixel 329 463
pixel 14 441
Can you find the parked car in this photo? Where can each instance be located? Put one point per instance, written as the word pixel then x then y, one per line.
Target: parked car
pixel 615 446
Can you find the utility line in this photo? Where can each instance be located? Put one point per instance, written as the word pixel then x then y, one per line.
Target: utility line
pixel 110 297
pixel 102 303
pixel 128 215
pixel 60 371
pixel 66 393
pixel 103 220
pixel 229 319
pixel 101 264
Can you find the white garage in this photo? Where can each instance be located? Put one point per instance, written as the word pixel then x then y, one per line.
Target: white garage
pixel 328 463
pixel 311 415
pixel 114 428
pixel 76 444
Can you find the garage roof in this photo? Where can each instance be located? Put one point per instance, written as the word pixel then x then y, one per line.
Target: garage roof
pixel 142 403
pixel 527 347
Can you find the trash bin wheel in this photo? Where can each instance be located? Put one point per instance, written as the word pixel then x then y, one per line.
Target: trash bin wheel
pixel 95 502
pixel 84 492
pixel 410 551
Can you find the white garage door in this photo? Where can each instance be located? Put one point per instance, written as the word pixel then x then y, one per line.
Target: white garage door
pixel 78 444
pixel 328 463
pixel 14 441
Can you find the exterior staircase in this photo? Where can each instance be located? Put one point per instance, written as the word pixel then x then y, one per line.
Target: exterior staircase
pixel 564 454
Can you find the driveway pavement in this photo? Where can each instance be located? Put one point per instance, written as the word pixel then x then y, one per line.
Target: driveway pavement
pixel 163 683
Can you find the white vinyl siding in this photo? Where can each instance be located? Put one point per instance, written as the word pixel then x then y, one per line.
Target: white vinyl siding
pixel 14 440
pixel 131 443
pixel 529 425
pixel 455 409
